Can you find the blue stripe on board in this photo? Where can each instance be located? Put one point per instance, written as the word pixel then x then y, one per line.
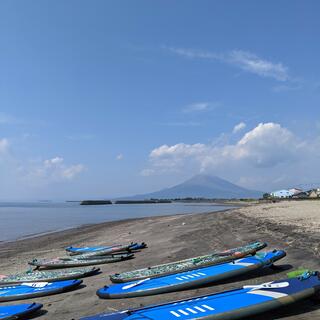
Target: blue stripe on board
pixel 190 276
pixel 216 304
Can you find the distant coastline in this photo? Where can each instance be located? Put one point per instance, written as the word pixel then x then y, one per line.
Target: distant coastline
pixel 175 200
pixel 94 202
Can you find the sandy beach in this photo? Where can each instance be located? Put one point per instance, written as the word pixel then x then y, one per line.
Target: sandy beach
pixel 291 226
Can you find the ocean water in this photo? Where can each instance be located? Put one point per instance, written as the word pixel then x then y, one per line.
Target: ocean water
pixel 25 219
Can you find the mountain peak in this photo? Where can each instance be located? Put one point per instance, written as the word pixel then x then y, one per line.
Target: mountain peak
pixel 202 177
pixel 203 186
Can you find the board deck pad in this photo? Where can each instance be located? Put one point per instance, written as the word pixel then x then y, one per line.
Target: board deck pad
pixel 233 304
pixel 97 251
pixel 189 264
pixel 107 249
pixel 75 262
pixel 190 279
pixel 49 276
pixel 36 289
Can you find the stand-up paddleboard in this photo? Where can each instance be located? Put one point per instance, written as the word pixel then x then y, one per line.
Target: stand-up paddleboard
pixel 48 276
pixel 138 246
pixel 72 262
pixel 36 289
pixel 103 250
pixel 190 279
pixel 235 304
pixel 189 264
pixel 95 256
pixel 20 311
pixel 98 252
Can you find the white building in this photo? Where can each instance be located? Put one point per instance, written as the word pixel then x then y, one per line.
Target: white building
pixel 282 194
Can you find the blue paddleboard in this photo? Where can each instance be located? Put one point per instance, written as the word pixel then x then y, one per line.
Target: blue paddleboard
pixel 86 249
pixel 36 289
pixel 234 304
pixel 138 246
pixel 19 311
pixel 80 250
pixel 190 279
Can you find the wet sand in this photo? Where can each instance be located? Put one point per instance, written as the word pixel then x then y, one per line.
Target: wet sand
pixel 171 238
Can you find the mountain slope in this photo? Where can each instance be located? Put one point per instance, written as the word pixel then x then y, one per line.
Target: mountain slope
pixel 203 186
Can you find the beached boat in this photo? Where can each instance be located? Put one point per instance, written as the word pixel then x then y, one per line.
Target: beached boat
pixel 191 279
pixel 48 276
pixel 189 264
pixel 228 305
pixel 72 262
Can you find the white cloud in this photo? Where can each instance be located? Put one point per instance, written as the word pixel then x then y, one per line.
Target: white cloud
pixel 71 171
pixel 198 107
pixel 119 156
pixel 177 157
pixel 244 60
pixel 4 144
pixel 192 53
pixel 238 127
pixel 265 146
pixel 250 62
pixel 178 150
pixel 53 162
pixel 261 155
pixel 50 170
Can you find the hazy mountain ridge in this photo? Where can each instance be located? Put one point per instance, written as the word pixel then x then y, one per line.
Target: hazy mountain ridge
pixel 202 186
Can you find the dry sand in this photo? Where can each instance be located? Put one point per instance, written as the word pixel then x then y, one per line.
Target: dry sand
pixel 303 215
pixel 292 226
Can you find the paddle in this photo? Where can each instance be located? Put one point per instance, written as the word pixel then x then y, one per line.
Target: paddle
pixel 267 285
pixel 131 285
pixel 35 284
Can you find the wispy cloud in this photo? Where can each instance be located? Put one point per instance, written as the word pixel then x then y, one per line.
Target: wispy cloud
pixel 252 63
pixel 244 60
pixel 238 127
pixel 4 144
pixel 199 107
pixel 192 53
pixel 119 157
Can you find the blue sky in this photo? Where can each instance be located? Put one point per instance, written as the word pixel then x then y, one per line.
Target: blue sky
pixel 111 98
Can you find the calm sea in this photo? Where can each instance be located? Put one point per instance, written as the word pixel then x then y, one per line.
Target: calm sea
pixel 20 219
